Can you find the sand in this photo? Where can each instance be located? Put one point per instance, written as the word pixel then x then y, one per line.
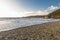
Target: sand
pixel 46 31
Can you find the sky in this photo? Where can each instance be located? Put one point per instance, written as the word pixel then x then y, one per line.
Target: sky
pixel 20 8
pixel 38 4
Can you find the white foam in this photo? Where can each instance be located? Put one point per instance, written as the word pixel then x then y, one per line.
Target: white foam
pixel 4 22
pixel 6 25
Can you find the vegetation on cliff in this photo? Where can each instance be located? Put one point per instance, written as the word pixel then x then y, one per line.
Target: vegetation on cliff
pixel 54 14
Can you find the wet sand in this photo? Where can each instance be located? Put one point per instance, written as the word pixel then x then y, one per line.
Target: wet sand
pixel 45 31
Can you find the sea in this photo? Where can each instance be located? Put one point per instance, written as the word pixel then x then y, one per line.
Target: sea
pixel 13 23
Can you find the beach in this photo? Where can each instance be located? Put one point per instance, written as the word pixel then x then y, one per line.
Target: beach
pixel 45 31
pixel 29 19
pixel 13 23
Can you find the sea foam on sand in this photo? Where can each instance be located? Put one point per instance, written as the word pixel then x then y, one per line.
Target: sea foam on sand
pixel 4 22
pixel 8 24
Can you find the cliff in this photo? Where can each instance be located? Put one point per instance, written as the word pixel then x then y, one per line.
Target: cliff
pixel 55 14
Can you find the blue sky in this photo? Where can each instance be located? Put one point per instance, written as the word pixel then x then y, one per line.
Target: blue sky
pixel 37 4
pixel 20 8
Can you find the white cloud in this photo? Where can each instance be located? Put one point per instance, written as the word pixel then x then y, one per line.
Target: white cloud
pixel 44 12
pixel 52 7
pixel 33 13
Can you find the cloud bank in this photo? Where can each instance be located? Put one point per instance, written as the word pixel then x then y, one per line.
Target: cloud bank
pixel 44 12
pixel 53 8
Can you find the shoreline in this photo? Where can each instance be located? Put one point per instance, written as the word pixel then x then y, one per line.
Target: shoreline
pixel 26 26
pixel 45 31
pixel 18 23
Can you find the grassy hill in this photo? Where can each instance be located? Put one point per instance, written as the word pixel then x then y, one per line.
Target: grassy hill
pixel 46 31
pixel 55 14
